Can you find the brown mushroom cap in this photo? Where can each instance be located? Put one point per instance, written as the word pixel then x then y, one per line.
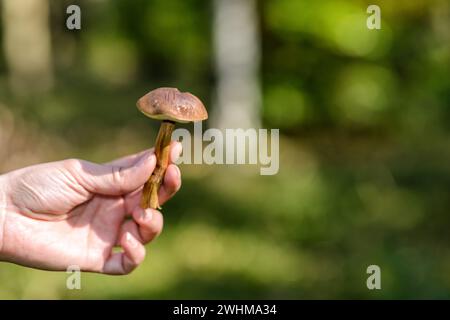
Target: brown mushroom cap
pixel 171 104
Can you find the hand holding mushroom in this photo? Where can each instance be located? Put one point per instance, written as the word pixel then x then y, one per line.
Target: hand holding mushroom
pixel 168 105
pixel 75 212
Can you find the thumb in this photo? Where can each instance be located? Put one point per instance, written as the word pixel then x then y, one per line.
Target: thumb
pixel 116 178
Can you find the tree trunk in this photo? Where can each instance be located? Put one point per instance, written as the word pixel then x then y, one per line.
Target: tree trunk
pixel 237 57
pixel 27 45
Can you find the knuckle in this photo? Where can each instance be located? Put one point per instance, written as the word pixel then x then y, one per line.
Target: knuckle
pixel 118 175
pixel 72 164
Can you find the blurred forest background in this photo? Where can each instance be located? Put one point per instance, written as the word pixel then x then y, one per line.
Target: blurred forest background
pixel 364 117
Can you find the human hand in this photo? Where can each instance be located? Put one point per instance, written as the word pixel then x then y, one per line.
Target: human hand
pixel 74 212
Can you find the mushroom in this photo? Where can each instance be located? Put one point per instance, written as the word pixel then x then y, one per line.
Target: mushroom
pixel 168 105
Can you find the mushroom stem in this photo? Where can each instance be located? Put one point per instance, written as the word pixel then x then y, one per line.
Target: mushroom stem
pixel 162 148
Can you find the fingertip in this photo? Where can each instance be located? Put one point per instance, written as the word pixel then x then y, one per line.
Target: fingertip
pixel 122 263
pixel 133 252
pixel 172 183
pixel 141 215
pixel 178 173
pixel 172 178
pixel 145 166
pixel 176 149
pixel 150 222
pixel 151 159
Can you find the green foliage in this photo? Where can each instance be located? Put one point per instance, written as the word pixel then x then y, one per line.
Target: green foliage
pixel 365 158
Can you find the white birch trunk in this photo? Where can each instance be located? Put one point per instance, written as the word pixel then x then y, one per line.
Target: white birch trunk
pixel 237 60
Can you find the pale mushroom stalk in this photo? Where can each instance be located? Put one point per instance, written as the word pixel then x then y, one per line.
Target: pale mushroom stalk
pixel 168 105
pixel 162 149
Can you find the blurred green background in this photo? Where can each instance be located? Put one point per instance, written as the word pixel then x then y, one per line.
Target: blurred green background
pixel 364 119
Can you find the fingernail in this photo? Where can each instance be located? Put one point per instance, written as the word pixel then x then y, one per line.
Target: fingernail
pixel 147 215
pixel 176 152
pixel 178 172
pixel 130 240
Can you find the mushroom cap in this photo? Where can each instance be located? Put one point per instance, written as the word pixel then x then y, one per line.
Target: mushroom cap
pixel 171 104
